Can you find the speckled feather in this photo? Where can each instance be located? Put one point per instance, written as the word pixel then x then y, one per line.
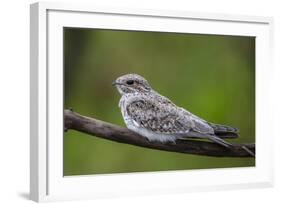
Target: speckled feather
pixel 160 115
pixel 157 118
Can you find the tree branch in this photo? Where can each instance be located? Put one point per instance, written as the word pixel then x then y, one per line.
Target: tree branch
pixel 119 134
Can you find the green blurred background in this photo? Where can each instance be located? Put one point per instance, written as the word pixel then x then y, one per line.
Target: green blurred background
pixel 212 76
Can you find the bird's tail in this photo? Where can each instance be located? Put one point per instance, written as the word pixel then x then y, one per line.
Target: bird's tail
pixel 224 131
pixel 213 138
pixel 218 140
pixel 226 144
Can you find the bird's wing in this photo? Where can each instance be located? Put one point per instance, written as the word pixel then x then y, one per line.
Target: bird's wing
pixel 201 126
pixel 164 117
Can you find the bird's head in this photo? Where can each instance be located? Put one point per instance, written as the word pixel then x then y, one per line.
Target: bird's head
pixel 131 83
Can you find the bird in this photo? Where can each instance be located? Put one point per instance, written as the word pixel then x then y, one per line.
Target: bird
pixel 158 119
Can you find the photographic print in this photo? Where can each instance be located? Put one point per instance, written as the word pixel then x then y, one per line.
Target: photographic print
pixel 141 101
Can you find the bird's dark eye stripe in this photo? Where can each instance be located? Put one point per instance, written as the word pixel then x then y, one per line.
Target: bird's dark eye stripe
pixel 130 82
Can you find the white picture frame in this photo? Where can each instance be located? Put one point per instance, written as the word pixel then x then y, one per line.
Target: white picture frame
pixel 47 182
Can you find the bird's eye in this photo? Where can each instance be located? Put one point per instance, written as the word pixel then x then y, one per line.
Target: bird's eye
pixel 130 82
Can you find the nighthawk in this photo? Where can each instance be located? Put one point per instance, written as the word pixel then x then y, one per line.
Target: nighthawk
pixel 157 118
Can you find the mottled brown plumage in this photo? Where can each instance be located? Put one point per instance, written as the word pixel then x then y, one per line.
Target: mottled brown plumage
pixel 158 119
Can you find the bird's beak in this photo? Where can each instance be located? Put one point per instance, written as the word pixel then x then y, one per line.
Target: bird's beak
pixel 114 83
